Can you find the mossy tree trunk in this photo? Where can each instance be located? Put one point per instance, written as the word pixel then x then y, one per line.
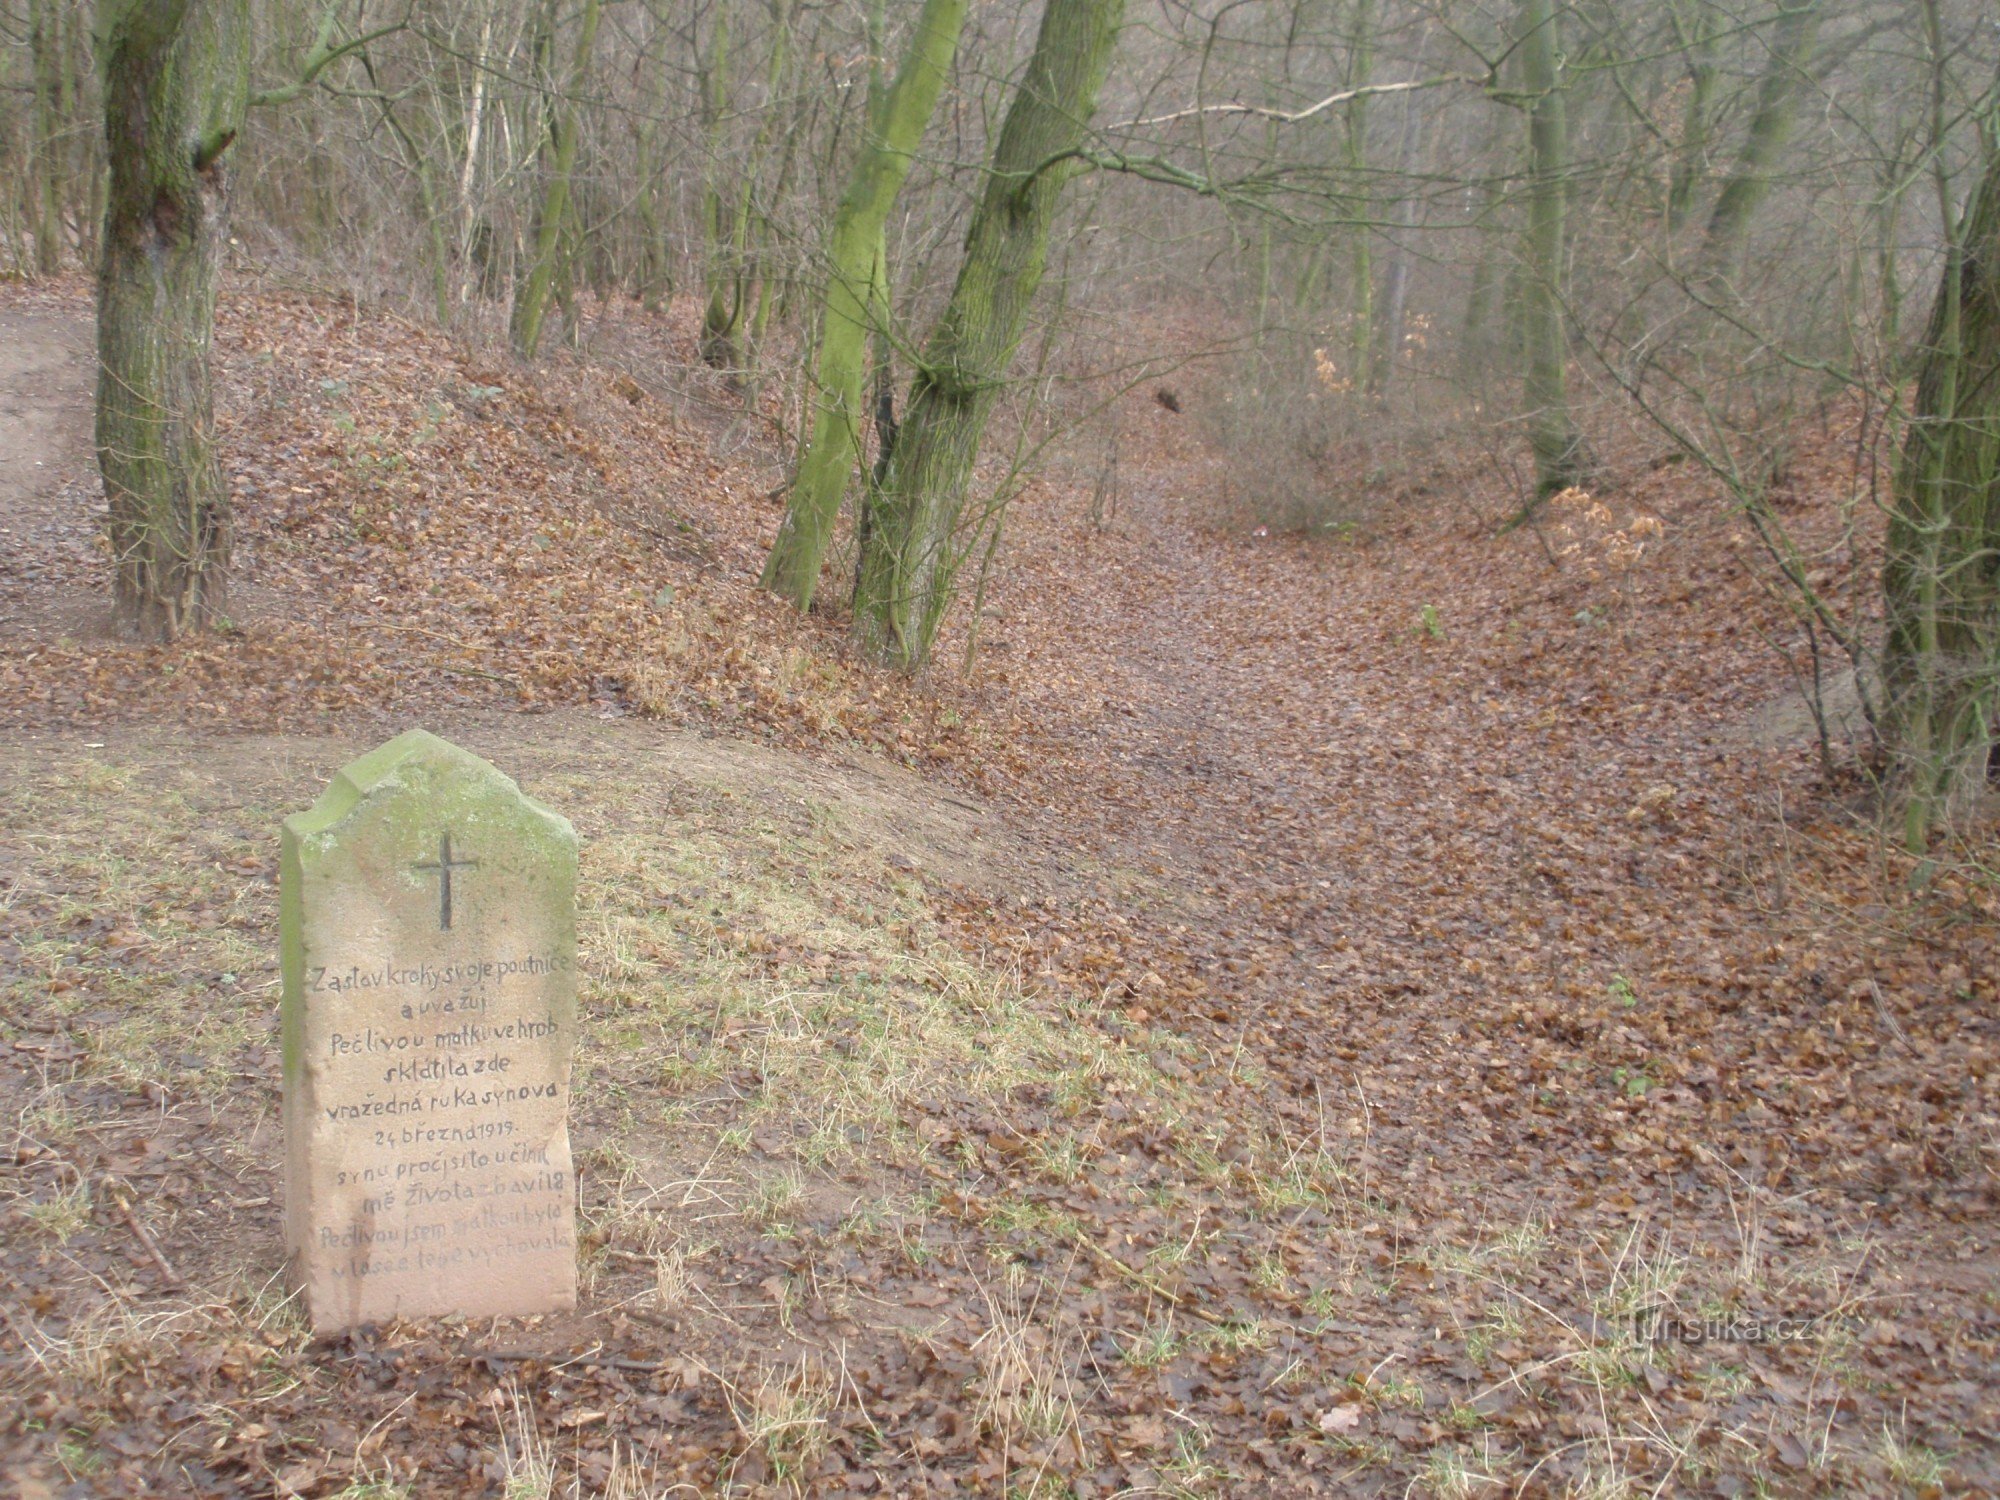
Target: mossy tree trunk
pixel 176 83
pixel 564 129
pixel 1941 577
pixel 1552 436
pixel 840 368
pixel 910 545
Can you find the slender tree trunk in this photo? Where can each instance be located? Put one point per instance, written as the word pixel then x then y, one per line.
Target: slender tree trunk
pixel 1263 324
pixel 90 248
pixel 429 210
pixel 531 300
pixel 718 233
pixel 176 83
pixel 13 210
pixel 570 260
pixel 911 547
pixel 881 308
pixel 437 236
pixel 747 223
pixel 1888 273
pixel 468 172
pixel 841 364
pixel 1361 270
pixel 1473 339
pixel 1551 435
pixel 73 156
pixel 1691 151
pixel 47 62
pixel 1396 285
pixel 768 273
pixel 1792 43
pixel 652 278
pixel 1941 577
pixel 1305 286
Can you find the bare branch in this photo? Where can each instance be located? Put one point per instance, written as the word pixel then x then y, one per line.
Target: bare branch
pixel 1294 116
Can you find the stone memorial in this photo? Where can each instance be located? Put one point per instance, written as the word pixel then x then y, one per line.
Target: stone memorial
pixel 429 929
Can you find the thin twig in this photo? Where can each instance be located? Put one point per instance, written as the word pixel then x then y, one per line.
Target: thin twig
pixel 1895 1027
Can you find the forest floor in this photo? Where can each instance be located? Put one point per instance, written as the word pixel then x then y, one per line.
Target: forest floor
pixel 1401 1012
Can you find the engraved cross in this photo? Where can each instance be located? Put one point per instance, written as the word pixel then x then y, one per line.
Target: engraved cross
pixel 444 864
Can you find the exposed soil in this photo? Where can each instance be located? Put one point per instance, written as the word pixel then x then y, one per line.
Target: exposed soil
pixel 1282 1024
pixel 51 579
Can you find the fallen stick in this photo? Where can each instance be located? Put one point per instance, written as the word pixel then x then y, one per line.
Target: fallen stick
pixel 556 1361
pixel 146 1241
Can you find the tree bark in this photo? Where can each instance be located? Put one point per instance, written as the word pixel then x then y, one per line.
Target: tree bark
pixel 468 216
pixel 733 272
pixel 1551 435
pixel 1941 577
pixel 1473 338
pixel 841 366
pixel 176 83
pixel 1361 270
pixel 1691 152
pixel 724 308
pixel 531 300
pixel 1792 43
pixel 1396 285
pixel 47 63
pixel 911 549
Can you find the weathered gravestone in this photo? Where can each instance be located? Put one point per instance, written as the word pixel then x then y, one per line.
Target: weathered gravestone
pixel 429 925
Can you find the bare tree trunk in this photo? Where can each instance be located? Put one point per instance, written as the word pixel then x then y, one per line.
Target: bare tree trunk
pixel 531 300
pixel 723 311
pixel 1691 152
pixel 733 283
pixel 176 83
pixel 1551 435
pixel 1474 339
pixel 911 547
pixel 1361 270
pixel 468 173
pixel 1396 285
pixel 1792 43
pixel 429 212
pixel 47 62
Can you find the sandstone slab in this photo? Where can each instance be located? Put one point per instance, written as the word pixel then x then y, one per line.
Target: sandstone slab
pixel 429 930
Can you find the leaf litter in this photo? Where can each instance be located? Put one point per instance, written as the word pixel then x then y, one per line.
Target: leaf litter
pixel 1418 1041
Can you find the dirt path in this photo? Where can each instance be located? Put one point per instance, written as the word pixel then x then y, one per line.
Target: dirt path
pixel 1487 885
pixel 1442 866
pixel 48 488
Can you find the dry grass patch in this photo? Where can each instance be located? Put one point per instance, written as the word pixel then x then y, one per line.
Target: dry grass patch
pixel 128 898
pixel 786 1417
pixel 785 1003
